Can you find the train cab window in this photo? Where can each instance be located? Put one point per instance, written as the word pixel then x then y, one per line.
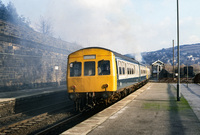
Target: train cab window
pixel 75 69
pixel 104 67
pixel 89 68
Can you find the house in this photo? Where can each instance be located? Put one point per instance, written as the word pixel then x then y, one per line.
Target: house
pixel 157 67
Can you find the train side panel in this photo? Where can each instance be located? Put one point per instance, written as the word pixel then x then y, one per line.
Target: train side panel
pixel 128 73
pixel 143 72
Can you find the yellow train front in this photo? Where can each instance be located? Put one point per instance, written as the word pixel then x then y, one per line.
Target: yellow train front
pixel 91 75
pixel 95 74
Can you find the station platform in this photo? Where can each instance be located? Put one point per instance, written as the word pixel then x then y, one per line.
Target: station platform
pixel 26 93
pixel 151 110
pixel 19 101
pixel 29 92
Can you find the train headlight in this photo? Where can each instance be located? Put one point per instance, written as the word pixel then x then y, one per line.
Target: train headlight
pixel 73 87
pixel 104 86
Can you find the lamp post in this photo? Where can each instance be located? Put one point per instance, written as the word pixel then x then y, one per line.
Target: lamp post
pixel 178 53
pixel 56 68
pixel 173 58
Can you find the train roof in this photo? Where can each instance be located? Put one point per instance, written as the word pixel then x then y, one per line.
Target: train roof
pixel 115 53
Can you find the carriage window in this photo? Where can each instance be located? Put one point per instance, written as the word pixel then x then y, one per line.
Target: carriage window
pixel 89 68
pixel 123 70
pixel 104 67
pixel 120 70
pixel 75 69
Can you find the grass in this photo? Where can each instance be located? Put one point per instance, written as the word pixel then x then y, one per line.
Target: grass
pixel 171 105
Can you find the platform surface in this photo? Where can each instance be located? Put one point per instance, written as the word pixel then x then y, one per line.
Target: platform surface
pixel 192 94
pixel 152 110
pixel 12 95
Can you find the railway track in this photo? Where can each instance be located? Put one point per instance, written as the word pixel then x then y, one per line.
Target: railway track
pixel 69 122
pixel 22 123
pixel 54 128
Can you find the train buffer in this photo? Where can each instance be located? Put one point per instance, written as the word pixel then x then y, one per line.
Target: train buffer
pixel 153 109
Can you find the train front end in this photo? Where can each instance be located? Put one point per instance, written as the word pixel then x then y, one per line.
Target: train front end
pixel 91 75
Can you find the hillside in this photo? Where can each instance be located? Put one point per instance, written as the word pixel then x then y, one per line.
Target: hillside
pixel 189 54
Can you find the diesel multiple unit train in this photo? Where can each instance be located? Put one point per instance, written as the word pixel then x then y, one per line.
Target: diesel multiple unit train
pixel 96 74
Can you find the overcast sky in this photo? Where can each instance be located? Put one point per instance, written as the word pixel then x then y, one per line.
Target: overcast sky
pixel 125 26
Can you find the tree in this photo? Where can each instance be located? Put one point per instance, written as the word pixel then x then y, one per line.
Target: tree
pixel 169 68
pixel 3 11
pixel 12 16
pixel 9 14
pixel 45 26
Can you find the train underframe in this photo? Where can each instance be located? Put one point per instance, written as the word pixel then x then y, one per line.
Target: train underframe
pixel 83 101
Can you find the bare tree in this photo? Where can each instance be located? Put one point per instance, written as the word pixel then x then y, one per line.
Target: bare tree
pixel 196 68
pixel 45 26
pixel 169 68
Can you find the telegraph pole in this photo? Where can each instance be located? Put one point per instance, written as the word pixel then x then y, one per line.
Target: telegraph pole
pixel 178 53
pixel 187 74
pixel 173 57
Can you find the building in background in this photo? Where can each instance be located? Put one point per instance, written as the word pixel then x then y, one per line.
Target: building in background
pixel 157 67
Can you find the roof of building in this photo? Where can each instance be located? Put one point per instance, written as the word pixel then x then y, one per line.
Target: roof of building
pixel 158 62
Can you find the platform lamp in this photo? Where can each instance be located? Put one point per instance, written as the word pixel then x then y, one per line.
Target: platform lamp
pixel 56 68
pixel 178 53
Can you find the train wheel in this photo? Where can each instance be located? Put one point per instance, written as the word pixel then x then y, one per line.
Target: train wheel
pixel 117 96
pixel 122 94
pixel 127 92
pixel 81 105
pixel 76 106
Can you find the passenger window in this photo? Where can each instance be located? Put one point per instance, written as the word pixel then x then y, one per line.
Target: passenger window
pixel 123 70
pixel 75 69
pixel 120 70
pixel 89 68
pixel 104 67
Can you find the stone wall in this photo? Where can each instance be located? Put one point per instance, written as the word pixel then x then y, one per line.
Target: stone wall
pixel 28 58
